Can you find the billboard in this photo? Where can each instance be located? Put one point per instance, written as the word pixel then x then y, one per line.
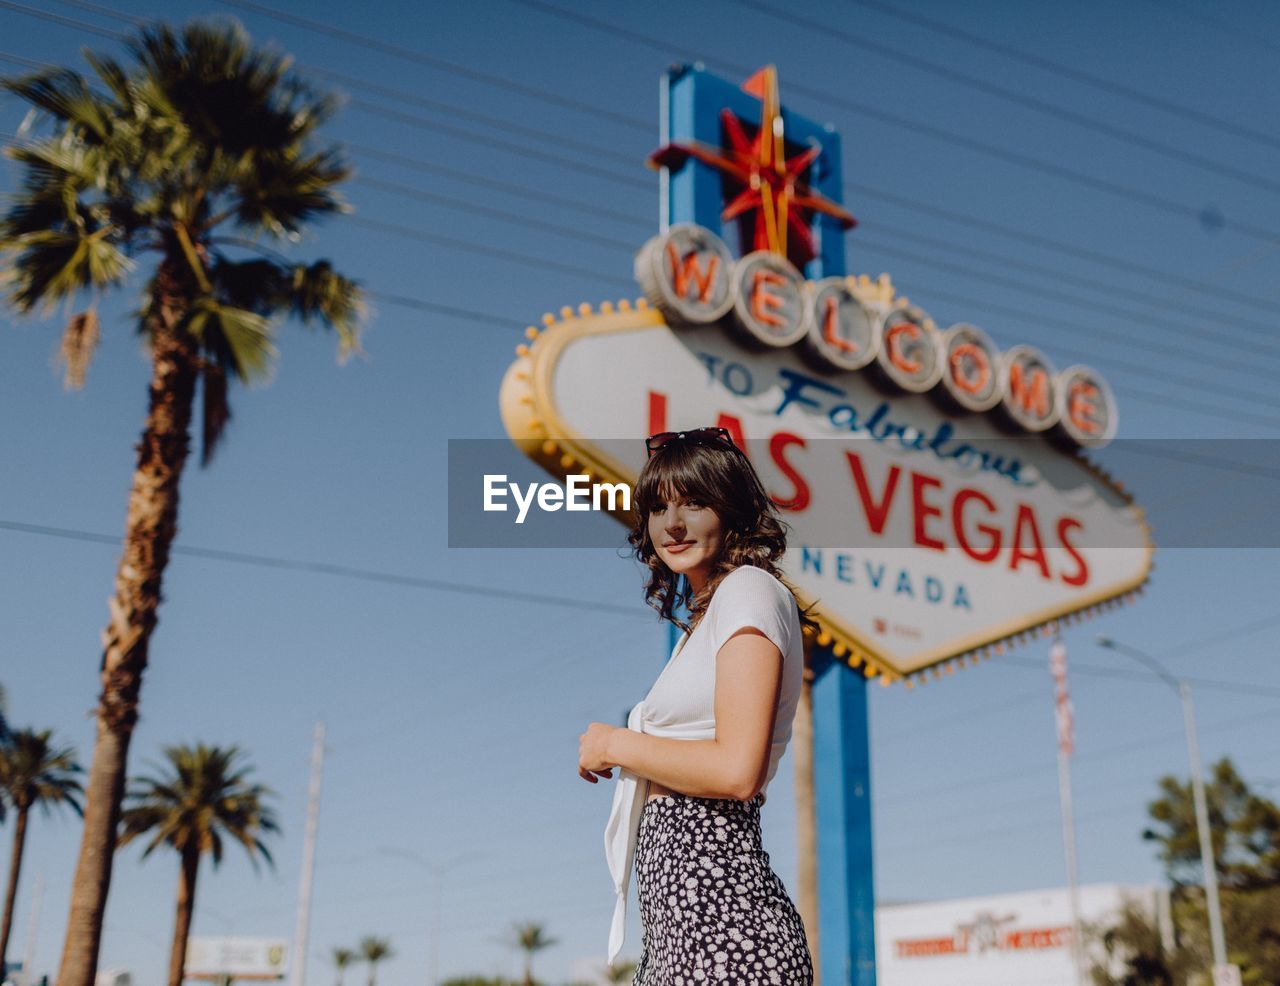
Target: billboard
pixel 1002 940
pixel 927 537
pixel 941 501
pixel 240 958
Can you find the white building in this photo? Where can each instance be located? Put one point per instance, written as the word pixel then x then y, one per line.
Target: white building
pixel 1021 939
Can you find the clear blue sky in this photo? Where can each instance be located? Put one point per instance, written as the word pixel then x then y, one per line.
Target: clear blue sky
pixel 453 717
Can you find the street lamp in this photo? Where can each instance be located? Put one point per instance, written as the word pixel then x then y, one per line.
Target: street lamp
pixel 1183 688
pixel 437 874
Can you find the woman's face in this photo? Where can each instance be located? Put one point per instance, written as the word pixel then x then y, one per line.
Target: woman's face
pixel 686 534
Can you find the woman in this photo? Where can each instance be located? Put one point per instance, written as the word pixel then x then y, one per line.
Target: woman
pixel 700 749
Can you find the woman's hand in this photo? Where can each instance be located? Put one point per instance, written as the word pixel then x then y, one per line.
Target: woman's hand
pixel 592 747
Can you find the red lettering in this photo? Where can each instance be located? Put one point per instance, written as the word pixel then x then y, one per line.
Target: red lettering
pixel 765 303
pixel 1081 575
pixel 975 378
pixel 831 322
pixel 923 511
pixel 657 412
pixel 876 513
pixel 919 947
pixel 957 521
pixel 778 445
pixel 1032 395
pixel 686 268
pixel 1037 938
pixel 1025 525
pixel 896 356
pixel 1082 406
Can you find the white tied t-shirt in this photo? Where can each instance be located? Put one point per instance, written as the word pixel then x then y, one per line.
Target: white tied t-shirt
pixel 681 704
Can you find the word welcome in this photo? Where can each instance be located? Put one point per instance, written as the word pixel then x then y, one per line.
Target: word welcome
pixel 841 325
pixel 552 497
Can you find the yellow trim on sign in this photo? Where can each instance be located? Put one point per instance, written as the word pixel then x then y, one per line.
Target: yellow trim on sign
pixel 531 419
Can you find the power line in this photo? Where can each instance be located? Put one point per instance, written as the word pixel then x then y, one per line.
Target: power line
pixel 626 179
pixel 1093 181
pixel 371 575
pixel 496 185
pixel 1086 282
pixel 539 262
pixel 1074 74
pixel 1032 769
pixel 476 209
pixel 561 268
pixel 467 314
pixel 943 71
pixel 452 68
pixel 456 112
pixel 1146 345
pixel 1248 368
pixel 901 122
pixel 502 145
pixel 330 568
pixel 1056 246
pixel 52 18
pixel 487 251
pixel 1206 684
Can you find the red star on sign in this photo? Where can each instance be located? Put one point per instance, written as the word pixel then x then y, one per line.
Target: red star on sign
pixel 771 183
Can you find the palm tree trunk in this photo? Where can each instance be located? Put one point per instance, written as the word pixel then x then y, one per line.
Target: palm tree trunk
pixel 182 918
pixel 806 814
pixel 11 892
pixel 372 969
pixel 150 526
pixel 528 970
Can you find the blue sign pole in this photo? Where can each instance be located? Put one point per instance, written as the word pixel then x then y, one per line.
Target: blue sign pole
pixel 693 102
pixel 842 790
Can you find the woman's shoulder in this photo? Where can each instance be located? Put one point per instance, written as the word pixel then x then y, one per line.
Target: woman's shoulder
pixel 749 580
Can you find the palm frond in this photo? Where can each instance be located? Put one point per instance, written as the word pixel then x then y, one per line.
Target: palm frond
pixel 281 192
pixel 310 293
pixel 55 265
pixel 237 338
pixel 319 292
pixel 35 772
pixel 79 340
pixel 201 797
pixel 66 96
pixel 113 74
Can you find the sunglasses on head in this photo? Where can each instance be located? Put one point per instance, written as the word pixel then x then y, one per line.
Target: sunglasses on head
pixel 698 436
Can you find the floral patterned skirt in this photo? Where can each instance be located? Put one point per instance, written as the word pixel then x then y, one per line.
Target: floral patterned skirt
pixel 712 909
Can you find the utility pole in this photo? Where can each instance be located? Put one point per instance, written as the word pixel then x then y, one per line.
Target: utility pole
pixel 298 965
pixel 33 923
pixel 1216 934
pixel 1066 746
pixel 1183 688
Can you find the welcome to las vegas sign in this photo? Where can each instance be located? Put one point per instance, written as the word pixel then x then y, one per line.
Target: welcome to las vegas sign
pixel 940 500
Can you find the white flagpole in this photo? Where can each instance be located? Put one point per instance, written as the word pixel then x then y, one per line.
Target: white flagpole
pixel 298 961
pixel 1066 743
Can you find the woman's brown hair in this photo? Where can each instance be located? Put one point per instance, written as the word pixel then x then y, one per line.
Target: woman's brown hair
pixel 752 532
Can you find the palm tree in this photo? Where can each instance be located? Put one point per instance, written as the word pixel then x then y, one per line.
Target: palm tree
pixel 204 797
pixel 342 957
pixel 530 939
pixel 200 145
pixel 32 772
pixel 374 950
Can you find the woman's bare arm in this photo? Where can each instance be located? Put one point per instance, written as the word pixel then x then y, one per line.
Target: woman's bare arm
pixel 735 763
